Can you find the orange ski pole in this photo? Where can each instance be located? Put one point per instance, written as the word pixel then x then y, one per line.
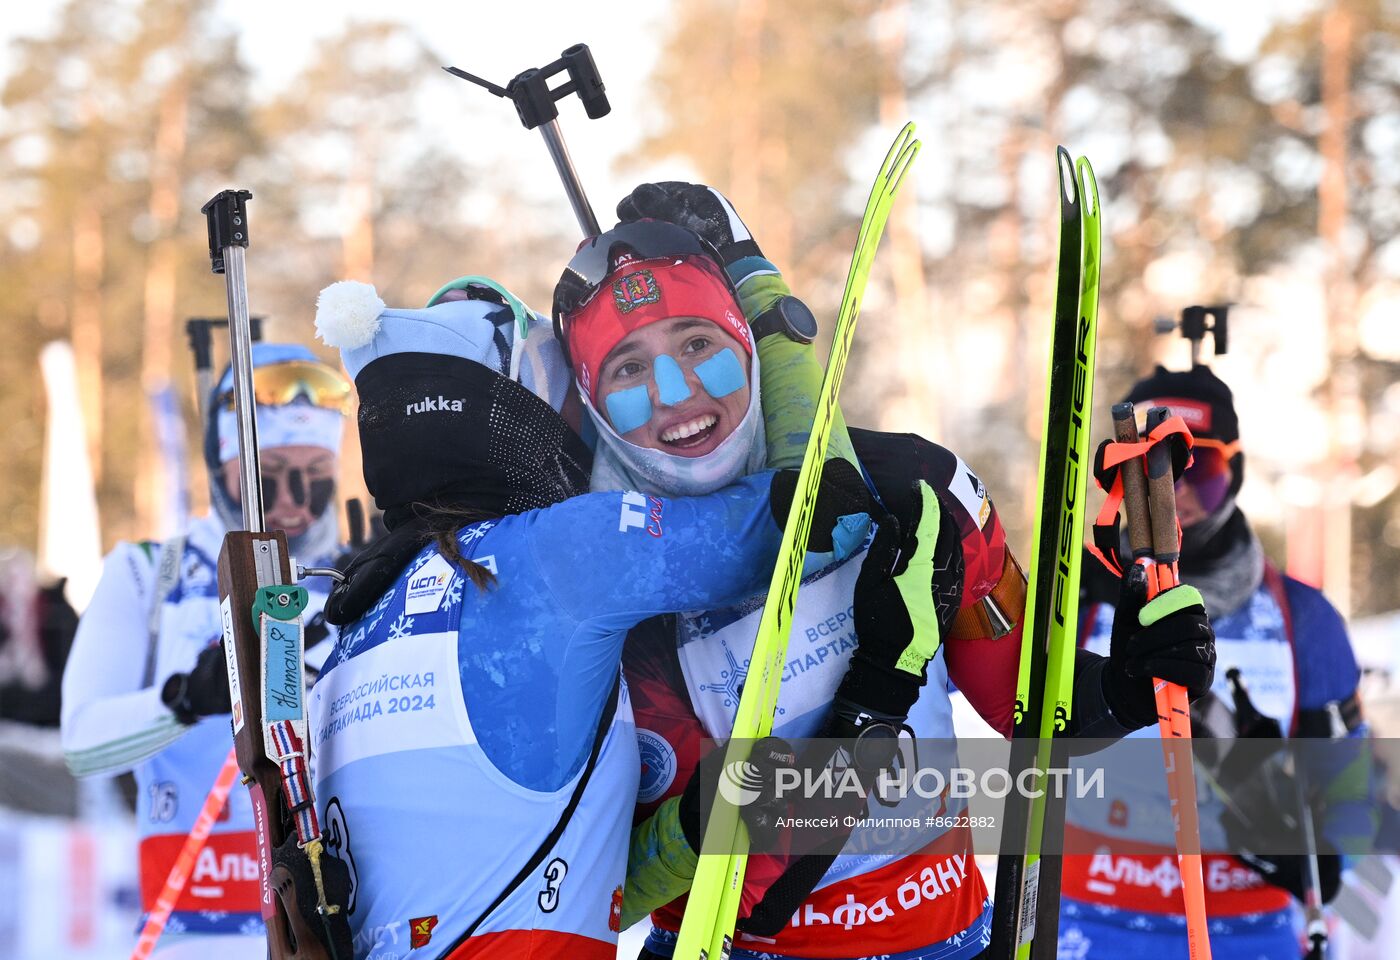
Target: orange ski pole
pixel 1173 709
pixel 1152 537
pixel 184 862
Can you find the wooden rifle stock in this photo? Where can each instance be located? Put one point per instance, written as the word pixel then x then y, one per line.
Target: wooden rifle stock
pixel 245 560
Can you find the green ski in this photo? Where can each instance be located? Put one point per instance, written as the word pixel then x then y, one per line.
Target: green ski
pixel 1049 629
pixel 713 907
pixel 1064 624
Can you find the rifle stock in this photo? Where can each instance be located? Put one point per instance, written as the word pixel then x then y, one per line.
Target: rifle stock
pixel 247 562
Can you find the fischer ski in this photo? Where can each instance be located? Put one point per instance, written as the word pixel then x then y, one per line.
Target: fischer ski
pixel 1026 909
pixel 713 907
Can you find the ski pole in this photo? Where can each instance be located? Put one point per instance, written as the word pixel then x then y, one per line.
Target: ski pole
pixel 1312 879
pixel 184 861
pixel 1248 718
pixel 535 104
pixel 1173 708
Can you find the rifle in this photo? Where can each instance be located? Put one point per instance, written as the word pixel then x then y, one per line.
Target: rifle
pixel 535 105
pixel 200 331
pixel 264 649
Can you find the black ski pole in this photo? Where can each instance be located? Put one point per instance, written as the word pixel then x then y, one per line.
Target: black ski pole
pixel 535 103
pixel 1248 716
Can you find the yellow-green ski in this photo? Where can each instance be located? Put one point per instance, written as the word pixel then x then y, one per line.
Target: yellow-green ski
pixel 713 906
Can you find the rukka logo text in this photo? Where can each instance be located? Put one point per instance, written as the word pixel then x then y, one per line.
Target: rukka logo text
pixel 433 405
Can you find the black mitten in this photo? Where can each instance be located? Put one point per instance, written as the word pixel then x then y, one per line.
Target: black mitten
pixel 1169 638
pixel 702 210
pixel 203 692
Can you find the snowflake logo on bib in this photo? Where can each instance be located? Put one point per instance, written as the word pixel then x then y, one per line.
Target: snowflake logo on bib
pixel 732 680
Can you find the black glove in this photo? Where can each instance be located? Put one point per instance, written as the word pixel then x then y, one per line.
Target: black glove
pixel 203 692
pixel 698 208
pixel 1169 638
pixel 842 493
pixel 759 774
pixel 293 880
pixel 905 598
pixel 1288 871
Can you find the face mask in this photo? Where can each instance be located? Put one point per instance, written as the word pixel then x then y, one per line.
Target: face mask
pixel 620 465
pixel 719 375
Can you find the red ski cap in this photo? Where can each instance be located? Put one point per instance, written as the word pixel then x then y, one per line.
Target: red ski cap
pixel 641 292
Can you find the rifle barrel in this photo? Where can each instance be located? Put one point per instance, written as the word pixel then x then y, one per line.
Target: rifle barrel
pixel 573 186
pixel 242 356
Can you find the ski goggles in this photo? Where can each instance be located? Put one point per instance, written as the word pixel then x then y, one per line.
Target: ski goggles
pixel 626 244
pixel 279 384
pixel 1209 473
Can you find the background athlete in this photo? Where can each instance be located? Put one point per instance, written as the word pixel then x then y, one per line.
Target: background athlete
pixel 146 688
pixel 1291 649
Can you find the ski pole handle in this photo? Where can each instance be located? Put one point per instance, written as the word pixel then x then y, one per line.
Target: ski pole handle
pixel 1161 498
pixel 1134 484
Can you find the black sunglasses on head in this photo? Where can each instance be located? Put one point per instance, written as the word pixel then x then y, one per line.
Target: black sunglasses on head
pixel 599 256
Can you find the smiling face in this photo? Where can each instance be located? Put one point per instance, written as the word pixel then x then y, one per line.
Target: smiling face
pixel 680 385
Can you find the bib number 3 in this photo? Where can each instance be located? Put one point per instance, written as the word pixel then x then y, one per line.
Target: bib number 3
pixel 554 873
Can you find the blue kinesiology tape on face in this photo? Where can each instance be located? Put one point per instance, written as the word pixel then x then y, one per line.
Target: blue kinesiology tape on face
pixel 628 409
pixel 671 387
pixel 722 374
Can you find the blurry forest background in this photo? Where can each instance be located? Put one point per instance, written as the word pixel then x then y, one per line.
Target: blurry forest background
pixel 1264 173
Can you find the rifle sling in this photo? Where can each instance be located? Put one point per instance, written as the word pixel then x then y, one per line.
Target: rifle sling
pixel 604 723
